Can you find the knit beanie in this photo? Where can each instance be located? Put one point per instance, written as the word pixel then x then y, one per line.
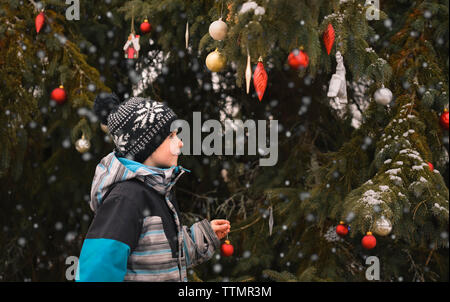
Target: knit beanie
pixel 138 126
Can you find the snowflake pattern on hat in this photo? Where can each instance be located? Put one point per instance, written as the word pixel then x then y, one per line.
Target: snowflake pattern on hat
pixel 147 113
pixel 121 141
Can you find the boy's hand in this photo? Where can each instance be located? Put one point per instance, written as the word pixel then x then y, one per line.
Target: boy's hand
pixel 221 227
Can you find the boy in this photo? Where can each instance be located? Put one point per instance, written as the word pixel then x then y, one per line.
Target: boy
pixel 136 234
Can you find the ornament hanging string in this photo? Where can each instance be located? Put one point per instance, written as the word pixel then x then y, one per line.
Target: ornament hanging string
pixel 226 218
pixel 221 9
pixel 372 223
pixel 280 212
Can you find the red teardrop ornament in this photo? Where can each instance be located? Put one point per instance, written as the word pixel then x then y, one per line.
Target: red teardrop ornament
pixel 328 38
pixel 444 119
pixel 260 80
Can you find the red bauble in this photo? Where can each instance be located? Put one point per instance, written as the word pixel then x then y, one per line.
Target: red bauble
pixel 260 80
pixel 444 119
pixel 431 167
pixel 328 38
pixel 146 27
pixel 227 249
pixel 369 241
pixel 59 95
pixel 298 58
pixel 342 229
pixel 39 21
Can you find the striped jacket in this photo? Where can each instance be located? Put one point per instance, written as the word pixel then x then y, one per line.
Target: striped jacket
pixel 136 234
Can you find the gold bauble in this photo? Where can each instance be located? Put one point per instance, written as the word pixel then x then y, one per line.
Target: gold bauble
pixel 215 61
pixel 218 30
pixel 383 226
pixel 82 145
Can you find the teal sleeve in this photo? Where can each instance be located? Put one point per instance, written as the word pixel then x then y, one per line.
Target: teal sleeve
pixel 102 260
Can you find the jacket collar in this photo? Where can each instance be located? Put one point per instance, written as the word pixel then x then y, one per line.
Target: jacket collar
pixel 160 179
pixel 113 169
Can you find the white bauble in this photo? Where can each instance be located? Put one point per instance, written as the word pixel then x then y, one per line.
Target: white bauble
pixel 383 96
pixel 383 226
pixel 218 30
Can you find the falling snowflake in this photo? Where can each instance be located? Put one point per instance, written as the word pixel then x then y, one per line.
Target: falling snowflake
pixel 22 241
pixel 217 268
pixel 70 236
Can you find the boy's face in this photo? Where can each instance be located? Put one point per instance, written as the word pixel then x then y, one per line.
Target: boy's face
pixel 166 155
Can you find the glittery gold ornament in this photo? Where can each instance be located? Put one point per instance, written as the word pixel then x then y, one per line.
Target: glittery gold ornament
pixel 215 61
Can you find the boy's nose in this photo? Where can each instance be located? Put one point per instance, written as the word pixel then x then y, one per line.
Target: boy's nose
pixel 180 144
